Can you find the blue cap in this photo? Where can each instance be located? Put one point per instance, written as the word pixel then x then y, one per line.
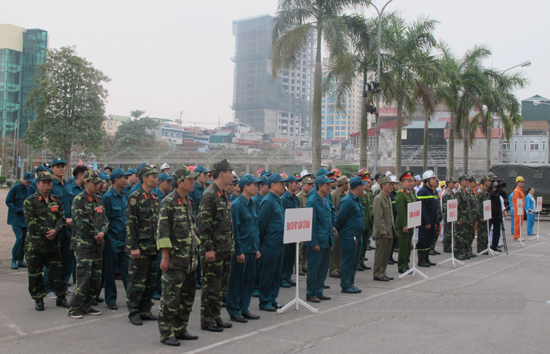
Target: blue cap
pixel 164 177
pixel 58 160
pixel 275 178
pixel 247 179
pixel 40 168
pixel 356 181
pixel 322 180
pixel 266 173
pixel 131 171
pixel 324 172
pixel 263 180
pixel 141 166
pixel 293 178
pixel 200 169
pixel 28 176
pixel 104 176
pixel 117 173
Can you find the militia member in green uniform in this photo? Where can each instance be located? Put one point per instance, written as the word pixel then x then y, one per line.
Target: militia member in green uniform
pixel 45 218
pixel 482 233
pixel 475 215
pixel 141 229
pixel 366 200
pixel 177 240
pixel 463 218
pixel 342 187
pixel 403 197
pixel 90 227
pixel 217 247
pixel 447 227
pixel 383 230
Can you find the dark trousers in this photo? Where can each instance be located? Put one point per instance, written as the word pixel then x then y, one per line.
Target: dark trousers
pixel 51 261
pixel 270 273
pixel 239 290
pixel 496 223
pixel 17 251
pixel 425 237
pixel 288 262
pixel 350 257
pixel 317 270
pixel 115 259
pixel 141 284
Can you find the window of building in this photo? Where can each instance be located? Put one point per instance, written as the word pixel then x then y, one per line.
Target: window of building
pixel 110 125
pixel 534 145
pixel 543 145
pixel 515 146
pixel 524 145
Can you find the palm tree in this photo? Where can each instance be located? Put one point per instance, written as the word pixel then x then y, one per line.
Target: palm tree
pixel 296 20
pixel 463 82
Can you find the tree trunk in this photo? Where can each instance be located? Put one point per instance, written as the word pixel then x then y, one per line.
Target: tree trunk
pixel 489 136
pixel 426 135
pixel 364 125
pixel 316 118
pixel 466 146
pixel 451 150
pixel 398 140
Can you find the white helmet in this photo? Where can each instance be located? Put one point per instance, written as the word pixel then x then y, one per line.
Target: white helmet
pixel 304 173
pixel 394 179
pixel 428 174
pixel 235 174
pixel 388 173
pixel 164 166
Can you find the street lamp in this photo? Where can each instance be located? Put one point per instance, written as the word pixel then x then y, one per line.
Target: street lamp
pixel 377 120
pixel 525 64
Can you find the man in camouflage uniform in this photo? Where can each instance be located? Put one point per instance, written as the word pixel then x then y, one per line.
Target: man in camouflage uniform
pixel 475 215
pixel 482 233
pixel 463 218
pixel 90 228
pixel 177 240
pixel 45 219
pixel 403 197
pixel 141 229
pixel 448 195
pixel 366 200
pixel 217 246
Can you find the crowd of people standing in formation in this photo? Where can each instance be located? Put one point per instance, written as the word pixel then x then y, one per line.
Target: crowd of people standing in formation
pixel 166 234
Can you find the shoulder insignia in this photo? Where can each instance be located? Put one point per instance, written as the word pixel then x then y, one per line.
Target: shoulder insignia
pixel 90 198
pixel 219 194
pixel 133 201
pixel 179 202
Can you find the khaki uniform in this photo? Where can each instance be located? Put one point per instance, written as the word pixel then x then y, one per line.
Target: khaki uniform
pixel 336 253
pixel 383 225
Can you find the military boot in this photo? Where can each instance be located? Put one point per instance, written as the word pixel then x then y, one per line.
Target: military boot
pixel 427 258
pixel 422 259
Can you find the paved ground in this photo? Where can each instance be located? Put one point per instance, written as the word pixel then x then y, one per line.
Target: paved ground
pixel 489 306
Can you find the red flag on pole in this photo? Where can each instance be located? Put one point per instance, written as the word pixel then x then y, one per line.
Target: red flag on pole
pixel 36 161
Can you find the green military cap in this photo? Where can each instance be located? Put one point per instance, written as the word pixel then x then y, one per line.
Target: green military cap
pixel 183 172
pixel 385 179
pixel 44 176
pixel 222 165
pixel 307 180
pixel 485 179
pixel 92 176
pixel 146 171
pixel 472 179
pixel 462 178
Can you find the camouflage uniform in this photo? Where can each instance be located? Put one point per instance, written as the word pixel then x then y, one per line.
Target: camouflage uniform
pixel 141 228
pixel 42 216
pixel 216 234
pixel 336 253
pixel 176 232
pixel 482 234
pixel 302 197
pixel 447 228
pixel 89 220
pixel 472 223
pixel 464 216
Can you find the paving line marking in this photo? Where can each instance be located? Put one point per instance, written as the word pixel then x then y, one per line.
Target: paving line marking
pixel 11 325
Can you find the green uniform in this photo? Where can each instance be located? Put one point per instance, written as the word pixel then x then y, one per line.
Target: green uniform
pixel 42 216
pixel 216 234
pixel 335 253
pixel 141 229
pixel 176 232
pixel 89 220
pixel 461 230
pixel 482 233
pixel 447 228
pixel 366 200
pixel 472 224
pixel 302 197
pixel 402 198
pixel 383 224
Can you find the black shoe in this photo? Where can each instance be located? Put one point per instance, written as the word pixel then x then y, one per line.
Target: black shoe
pixel 213 328
pixel 389 278
pixel 239 318
pixel 39 306
pixel 495 250
pixel 112 307
pixel 312 299
pixel 335 275
pixel 224 324
pixel 251 316
pixel 422 259
pixel 92 311
pixel 99 299
pixel 326 286
pixel 402 271
pixel 135 320
pixel 359 268
pixel 427 258
pixel 148 317
pixel 323 297
pixel 187 336
pixel 61 302
pixel 382 279
pixel 172 341
pixel 362 265
pixel 285 285
pixel 76 314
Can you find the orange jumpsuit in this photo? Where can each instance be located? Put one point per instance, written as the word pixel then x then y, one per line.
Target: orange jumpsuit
pixel 518 219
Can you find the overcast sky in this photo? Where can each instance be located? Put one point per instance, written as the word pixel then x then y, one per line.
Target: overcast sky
pixel 170 56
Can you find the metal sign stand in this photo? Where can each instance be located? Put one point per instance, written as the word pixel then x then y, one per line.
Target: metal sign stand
pixel 413 270
pixel 488 249
pixel 537 236
pixel 297 299
pixel 452 259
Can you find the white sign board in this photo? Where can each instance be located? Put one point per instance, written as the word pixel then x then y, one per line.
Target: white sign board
pixel 519 208
pixel 539 204
pixel 414 218
pixel 452 210
pixel 298 225
pixel 487 214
